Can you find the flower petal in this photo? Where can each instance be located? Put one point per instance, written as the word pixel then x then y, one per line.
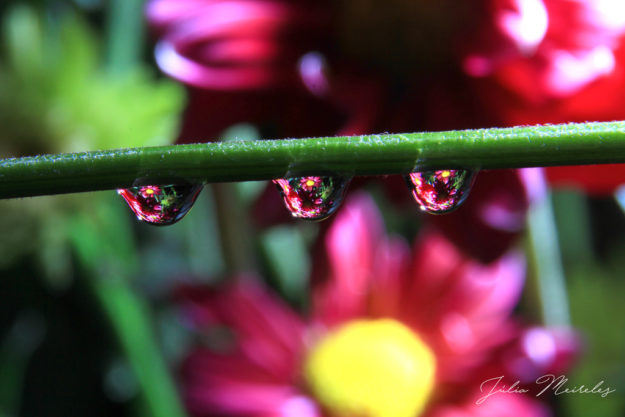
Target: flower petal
pixel 268 332
pixel 462 307
pixel 492 217
pixel 499 405
pixel 540 351
pixel 350 248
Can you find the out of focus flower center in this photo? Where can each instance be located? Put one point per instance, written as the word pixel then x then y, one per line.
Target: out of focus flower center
pixel 371 368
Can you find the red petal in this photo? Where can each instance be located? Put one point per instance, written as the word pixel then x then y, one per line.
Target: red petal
pixel 594 179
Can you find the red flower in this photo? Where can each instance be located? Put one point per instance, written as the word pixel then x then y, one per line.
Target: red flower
pixel 256 66
pixel 545 49
pixel 427 319
pixel 554 61
pixel 316 68
pixel 594 179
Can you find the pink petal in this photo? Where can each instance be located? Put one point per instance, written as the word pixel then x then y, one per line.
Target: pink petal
pixel 350 247
pixel 435 263
pixel 540 351
pixel 490 291
pixel 498 405
pixel 267 331
pixel 231 384
pixel 232 44
pixel 491 219
pixel 391 265
pixel 205 367
pixel 461 307
pixel 248 400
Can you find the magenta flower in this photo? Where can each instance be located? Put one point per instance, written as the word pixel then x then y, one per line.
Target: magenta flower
pixel 392 332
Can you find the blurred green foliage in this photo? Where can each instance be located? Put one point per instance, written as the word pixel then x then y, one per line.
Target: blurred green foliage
pixel 68 262
pixel 56 96
pixel 596 296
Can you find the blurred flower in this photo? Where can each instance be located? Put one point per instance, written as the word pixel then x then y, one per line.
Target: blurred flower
pixel 415 70
pixel 545 49
pixel 594 179
pixel 392 333
pixel 240 59
pixel 490 221
pixel 300 68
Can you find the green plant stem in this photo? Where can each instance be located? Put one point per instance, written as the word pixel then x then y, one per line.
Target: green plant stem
pixel 130 318
pixel 234 231
pixel 103 248
pixel 125 34
pixel 547 264
pixel 569 144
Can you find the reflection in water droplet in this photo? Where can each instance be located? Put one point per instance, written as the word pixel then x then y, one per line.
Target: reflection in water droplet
pixel 161 205
pixel 442 191
pixel 312 197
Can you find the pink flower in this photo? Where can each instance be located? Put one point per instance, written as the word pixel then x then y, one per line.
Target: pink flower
pixel 234 44
pixel 239 58
pixel 427 318
pixel 314 68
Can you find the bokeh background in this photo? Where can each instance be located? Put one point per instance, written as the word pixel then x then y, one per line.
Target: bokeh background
pixel 90 319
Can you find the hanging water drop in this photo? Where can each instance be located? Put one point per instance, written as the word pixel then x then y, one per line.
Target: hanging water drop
pixel 442 191
pixel 312 197
pixel 161 205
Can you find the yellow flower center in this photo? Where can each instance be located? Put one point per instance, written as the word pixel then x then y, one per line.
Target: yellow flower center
pixel 371 368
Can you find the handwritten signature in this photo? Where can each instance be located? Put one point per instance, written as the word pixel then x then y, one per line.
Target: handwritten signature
pixel 557 384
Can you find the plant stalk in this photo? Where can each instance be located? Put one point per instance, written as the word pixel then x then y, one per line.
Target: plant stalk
pixel 568 144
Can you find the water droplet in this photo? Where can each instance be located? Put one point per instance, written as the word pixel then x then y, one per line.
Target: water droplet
pixel 442 191
pixel 312 197
pixel 161 205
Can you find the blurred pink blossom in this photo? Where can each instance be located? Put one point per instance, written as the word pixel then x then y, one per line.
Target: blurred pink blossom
pixel 548 48
pixel 315 68
pixel 460 309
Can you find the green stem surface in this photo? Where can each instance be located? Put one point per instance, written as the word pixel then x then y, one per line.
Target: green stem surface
pixel 569 144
